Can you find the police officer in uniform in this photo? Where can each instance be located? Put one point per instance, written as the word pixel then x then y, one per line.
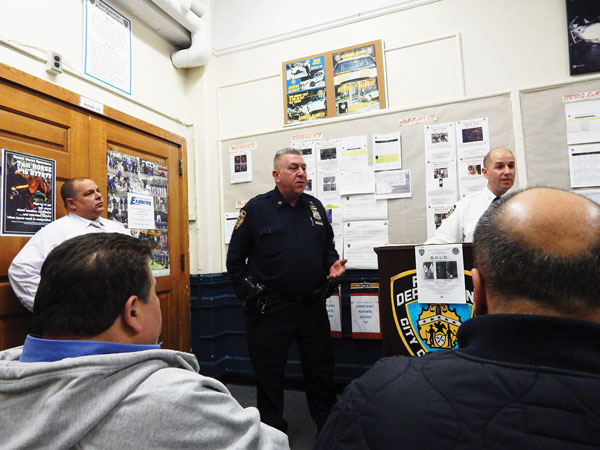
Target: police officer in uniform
pixel 283 265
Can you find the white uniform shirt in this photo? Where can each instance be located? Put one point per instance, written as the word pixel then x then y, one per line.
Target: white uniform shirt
pixel 460 225
pixel 24 271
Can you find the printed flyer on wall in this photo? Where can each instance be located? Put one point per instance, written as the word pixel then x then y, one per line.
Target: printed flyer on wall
pixel 146 213
pixel 28 186
pixel 305 89
pixel 355 80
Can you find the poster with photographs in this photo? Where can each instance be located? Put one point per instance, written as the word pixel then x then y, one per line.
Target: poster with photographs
pixel 28 193
pixel 470 178
pixel 240 162
pixel 355 80
pixel 334 83
pixel 440 273
pixel 440 181
pixel 440 141
pixel 129 174
pixel 583 34
pixel 473 138
pixel 435 215
pixel 309 153
pixel 305 90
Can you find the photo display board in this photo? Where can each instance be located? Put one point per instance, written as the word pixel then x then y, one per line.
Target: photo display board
pixel 341 82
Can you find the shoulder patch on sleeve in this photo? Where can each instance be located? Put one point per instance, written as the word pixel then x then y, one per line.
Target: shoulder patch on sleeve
pixel 447 215
pixel 240 219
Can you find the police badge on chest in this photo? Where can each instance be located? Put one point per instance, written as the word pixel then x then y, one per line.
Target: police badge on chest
pixel 316 218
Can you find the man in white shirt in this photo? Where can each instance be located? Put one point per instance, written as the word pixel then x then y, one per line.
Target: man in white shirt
pixel 499 169
pixel 84 204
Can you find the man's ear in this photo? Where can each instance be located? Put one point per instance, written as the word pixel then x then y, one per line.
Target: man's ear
pixel 131 314
pixel 479 293
pixel 275 174
pixel 70 204
pixel 484 172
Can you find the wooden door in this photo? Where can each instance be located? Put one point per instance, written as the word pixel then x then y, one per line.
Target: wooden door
pixel 32 123
pixel 173 289
pixel 42 119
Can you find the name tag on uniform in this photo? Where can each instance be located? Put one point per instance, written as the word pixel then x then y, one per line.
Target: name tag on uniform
pixel 316 215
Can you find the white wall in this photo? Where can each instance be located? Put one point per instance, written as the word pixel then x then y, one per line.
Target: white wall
pixel 443 50
pixel 158 89
pixel 437 52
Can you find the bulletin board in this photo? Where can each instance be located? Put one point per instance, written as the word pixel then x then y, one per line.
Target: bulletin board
pixel 338 83
pixel 545 133
pixel 406 216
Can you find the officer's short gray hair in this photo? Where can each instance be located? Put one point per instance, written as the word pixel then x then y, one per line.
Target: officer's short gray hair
pixel 284 151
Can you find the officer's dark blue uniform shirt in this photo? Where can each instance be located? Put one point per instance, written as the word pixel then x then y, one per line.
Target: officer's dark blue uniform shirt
pixel 289 249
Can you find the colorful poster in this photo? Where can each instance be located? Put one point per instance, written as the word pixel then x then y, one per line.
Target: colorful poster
pixel 128 175
pixel 305 89
pixel 355 80
pixel 28 193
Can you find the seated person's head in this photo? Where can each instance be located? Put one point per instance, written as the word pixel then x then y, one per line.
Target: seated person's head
pixel 98 286
pixel 538 252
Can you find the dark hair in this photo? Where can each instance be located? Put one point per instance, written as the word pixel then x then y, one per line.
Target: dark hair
pixel 85 282
pixel 68 189
pixel 513 268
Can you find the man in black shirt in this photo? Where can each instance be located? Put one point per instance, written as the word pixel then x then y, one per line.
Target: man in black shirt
pixel 283 264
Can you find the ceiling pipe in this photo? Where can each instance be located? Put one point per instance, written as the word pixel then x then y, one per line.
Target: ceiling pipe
pixel 191 14
pixel 162 24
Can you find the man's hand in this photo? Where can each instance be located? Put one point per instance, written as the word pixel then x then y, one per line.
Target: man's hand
pixel 337 269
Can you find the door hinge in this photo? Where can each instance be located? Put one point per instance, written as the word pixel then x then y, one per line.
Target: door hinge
pixel 181 167
pixel 183 263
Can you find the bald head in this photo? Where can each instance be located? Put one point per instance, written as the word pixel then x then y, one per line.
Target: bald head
pixel 557 222
pixel 499 169
pixel 541 245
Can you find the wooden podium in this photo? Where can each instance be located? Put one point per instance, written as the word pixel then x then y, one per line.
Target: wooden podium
pixel 408 327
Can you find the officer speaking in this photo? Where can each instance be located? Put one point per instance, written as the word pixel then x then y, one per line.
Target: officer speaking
pixel 283 265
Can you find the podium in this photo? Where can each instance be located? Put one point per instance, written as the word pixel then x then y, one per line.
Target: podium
pixel 407 326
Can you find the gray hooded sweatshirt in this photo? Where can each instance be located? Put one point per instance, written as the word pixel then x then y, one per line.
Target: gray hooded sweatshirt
pixel 152 399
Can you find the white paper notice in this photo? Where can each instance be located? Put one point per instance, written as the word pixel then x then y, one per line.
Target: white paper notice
pixel 435 215
pixel 364 310
pixel 440 142
pixel 107 48
pixel 584 165
pixel 583 122
pixel 440 273
pixel 328 185
pixel 309 153
pixel 470 178
pixel 328 154
pixel 357 181
pixel 355 151
pixel 338 238
pixel 364 207
pixel 334 212
pixel 360 238
pixel 441 182
pixel 392 184
pixel 387 151
pixel 230 220
pixel 240 162
pixel 140 211
pixel 334 311
pixel 473 138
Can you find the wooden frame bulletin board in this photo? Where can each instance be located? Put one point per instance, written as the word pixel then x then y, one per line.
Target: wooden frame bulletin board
pixel 336 83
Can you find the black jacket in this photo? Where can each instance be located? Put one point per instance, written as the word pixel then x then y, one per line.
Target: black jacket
pixel 516 382
pixel 288 249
